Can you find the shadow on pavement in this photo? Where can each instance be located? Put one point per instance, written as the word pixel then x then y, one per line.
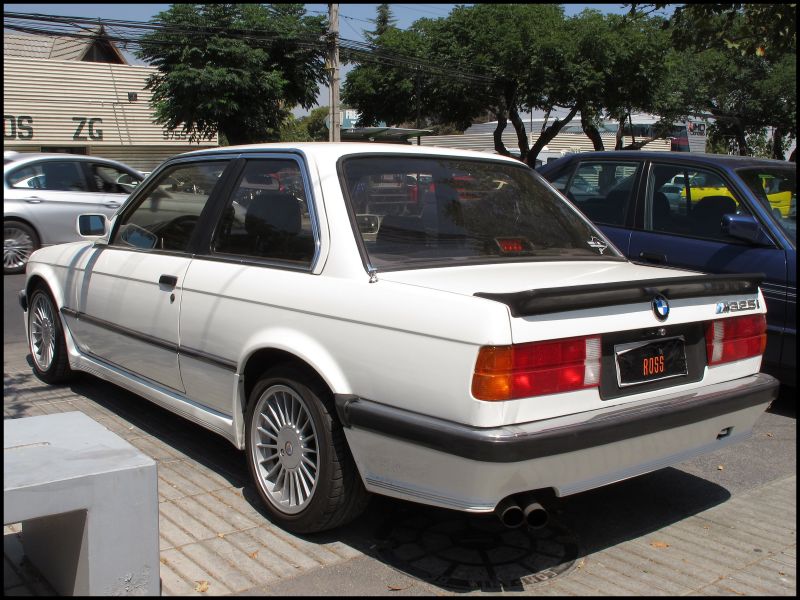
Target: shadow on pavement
pixel 454 551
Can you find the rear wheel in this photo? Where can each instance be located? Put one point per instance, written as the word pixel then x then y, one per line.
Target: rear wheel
pixel 19 241
pixel 46 338
pixel 297 454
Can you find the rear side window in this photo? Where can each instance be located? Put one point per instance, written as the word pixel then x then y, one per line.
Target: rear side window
pixel 267 217
pixel 604 190
pixel 62 176
pixel 411 211
pixel 166 216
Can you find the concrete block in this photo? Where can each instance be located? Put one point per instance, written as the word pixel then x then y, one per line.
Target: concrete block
pixel 88 504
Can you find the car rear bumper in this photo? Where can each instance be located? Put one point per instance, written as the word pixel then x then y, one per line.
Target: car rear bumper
pixel 414 457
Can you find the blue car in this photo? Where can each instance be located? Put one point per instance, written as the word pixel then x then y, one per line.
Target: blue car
pixel 706 212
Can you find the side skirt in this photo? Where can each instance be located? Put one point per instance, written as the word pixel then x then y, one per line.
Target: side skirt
pixel 163 397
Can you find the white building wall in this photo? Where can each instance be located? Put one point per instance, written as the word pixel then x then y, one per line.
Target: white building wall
pixel 85 105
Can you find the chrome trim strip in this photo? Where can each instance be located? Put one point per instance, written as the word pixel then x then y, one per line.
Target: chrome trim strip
pixel 142 337
pixel 217 361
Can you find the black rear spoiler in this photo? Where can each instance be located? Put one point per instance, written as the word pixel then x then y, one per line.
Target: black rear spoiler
pixel 576 297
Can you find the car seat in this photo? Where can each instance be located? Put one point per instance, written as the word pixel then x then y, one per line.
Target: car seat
pixel 706 216
pixel 273 220
pixel 662 218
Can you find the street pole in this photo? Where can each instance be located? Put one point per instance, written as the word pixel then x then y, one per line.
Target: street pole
pixel 334 133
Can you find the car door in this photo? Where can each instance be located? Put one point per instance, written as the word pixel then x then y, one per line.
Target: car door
pixel 605 191
pixel 257 264
pixel 52 193
pixel 110 184
pixel 684 229
pixel 128 303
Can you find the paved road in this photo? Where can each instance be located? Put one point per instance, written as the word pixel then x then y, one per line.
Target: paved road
pixel 717 525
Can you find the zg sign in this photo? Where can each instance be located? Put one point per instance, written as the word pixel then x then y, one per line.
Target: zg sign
pixel 22 128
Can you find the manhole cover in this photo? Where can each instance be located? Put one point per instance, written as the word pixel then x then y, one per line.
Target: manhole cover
pixel 463 552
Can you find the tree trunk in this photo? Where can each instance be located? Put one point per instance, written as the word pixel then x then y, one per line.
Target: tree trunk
pixel 620 138
pixel 547 136
pixel 499 146
pixel 522 135
pixel 777 144
pixel 591 131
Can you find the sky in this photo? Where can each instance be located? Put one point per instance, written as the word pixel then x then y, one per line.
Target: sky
pixel 354 19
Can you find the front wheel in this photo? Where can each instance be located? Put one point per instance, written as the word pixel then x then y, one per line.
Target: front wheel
pixel 297 454
pixel 46 338
pixel 19 241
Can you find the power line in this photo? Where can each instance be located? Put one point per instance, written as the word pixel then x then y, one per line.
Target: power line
pixel 122 31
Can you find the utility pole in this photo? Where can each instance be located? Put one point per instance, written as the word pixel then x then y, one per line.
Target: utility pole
pixel 334 116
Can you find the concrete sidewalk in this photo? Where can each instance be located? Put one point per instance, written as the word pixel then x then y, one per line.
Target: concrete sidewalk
pixel 214 539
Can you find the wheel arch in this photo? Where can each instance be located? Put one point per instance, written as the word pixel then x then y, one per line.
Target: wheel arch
pixel 25 221
pixel 262 359
pixel 40 275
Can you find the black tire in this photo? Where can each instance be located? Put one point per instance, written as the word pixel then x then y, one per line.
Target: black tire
pixel 46 338
pixel 324 498
pixel 19 241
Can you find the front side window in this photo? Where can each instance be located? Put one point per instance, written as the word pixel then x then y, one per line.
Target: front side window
pixel 776 187
pixel 603 190
pixel 110 180
pixel 166 216
pixel 268 215
pixel 411 210
pixel 688 201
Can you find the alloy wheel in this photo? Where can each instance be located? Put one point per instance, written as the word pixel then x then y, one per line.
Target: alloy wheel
pixel 17 247
pixel 42 331
pixel 285 448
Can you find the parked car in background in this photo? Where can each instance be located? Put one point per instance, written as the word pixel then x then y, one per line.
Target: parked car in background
pixel 477 354
pixel 711 213
pixel 43 194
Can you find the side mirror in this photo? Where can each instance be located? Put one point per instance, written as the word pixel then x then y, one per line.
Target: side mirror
pixel 745 227
pixel 92 225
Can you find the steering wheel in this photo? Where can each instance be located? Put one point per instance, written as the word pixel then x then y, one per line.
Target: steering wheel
pixel 175 234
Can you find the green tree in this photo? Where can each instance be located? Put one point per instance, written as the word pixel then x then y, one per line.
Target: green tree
pixel 737 63
pixel 233 69
pixel 751 29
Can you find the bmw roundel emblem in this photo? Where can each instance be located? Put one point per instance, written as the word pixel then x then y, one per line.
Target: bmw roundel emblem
pixel 660 307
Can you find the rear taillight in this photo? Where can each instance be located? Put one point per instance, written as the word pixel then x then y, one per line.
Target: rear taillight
pixel 535 369
pixel 735 338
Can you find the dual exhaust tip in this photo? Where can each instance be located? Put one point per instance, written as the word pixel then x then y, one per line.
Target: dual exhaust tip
pixel 523 509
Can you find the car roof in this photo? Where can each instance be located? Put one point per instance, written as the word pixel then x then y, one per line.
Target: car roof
pixel 699 158
pixel 335 150
pixel 20 158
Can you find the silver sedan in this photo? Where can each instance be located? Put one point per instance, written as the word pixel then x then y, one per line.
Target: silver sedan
pixel 43 194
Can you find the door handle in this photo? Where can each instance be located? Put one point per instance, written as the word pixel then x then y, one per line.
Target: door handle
pixel 659 259
pixel 33 200
pixel 112 204
pixel 168 280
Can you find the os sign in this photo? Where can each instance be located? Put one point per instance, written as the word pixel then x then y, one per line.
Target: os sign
pixel 22 128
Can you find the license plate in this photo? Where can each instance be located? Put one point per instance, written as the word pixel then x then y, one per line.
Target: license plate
pixel 642 362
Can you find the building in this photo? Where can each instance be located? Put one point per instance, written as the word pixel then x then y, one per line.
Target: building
pixel 687 137
pixel 80 95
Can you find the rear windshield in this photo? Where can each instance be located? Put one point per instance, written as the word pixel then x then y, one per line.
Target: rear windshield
pixel 424 211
